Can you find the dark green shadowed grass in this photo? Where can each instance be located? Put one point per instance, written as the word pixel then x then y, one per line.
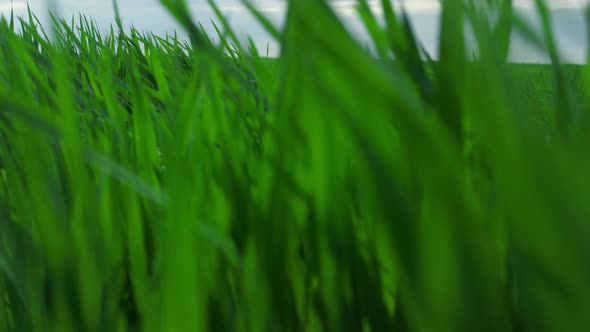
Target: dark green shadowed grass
pixel 153 184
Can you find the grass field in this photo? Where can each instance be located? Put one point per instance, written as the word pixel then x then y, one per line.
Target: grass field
pixel 152 184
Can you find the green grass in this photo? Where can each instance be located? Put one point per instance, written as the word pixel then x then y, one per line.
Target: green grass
pixel 151 184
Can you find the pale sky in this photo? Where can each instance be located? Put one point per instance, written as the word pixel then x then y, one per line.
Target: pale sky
pixel 148 15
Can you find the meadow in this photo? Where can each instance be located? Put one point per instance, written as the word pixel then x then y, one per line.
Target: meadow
pixel 150 183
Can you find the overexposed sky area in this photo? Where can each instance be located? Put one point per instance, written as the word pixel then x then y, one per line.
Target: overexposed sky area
pixel 148 15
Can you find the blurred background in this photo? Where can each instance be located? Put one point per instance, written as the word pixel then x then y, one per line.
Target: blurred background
pixel 148 15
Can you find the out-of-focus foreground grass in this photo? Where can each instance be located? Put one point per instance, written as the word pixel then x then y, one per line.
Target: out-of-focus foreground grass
pixel 151 184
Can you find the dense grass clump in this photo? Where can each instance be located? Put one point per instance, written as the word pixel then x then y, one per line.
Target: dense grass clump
pixel 151 184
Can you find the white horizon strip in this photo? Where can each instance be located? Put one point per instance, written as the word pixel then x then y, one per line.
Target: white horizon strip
pixel 343 7
pixel 348 7
pixel 16 6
